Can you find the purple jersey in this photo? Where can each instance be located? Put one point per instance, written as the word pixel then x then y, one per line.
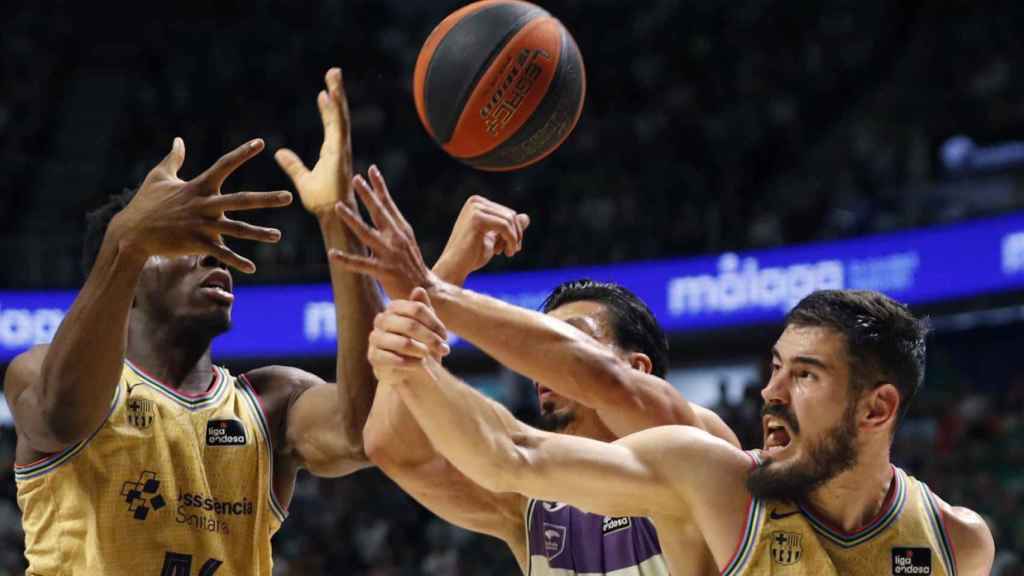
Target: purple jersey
pixel 562 541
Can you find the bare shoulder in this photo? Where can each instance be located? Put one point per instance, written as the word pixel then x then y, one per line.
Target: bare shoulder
pixel 274 381
pixel 278 387
pixel 22 371
pixel 973 546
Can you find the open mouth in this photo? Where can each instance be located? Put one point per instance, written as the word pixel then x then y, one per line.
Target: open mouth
pixel 217 286
pixel 776 437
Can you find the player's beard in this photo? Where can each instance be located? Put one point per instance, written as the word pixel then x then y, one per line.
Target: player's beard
pixel 826 459
pixel 554 420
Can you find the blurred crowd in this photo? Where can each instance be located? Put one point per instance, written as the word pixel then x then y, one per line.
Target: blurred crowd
pixel 708 126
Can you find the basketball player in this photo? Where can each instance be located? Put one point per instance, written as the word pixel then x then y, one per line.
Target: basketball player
pixel 599 358
pixel 821 497
pixel 135 453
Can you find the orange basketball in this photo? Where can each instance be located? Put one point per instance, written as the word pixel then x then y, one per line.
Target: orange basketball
pixel 499 84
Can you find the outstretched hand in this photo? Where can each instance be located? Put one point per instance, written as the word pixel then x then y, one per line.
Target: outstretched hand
pixel 406 338
pixel 330 180
pixel 171 217
pixel 483 230
pixel 396 262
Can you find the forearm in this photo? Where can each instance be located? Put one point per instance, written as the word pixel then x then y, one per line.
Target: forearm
pixel 393 438
pixel 478 436
pixel 85 358
pixel 535 345
pixel 356 302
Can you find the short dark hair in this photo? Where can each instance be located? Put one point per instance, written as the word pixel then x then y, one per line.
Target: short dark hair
pixel 634 326
pixel 96 223
pixel 884 340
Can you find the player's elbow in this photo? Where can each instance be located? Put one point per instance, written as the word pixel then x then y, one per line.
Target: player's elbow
pixel 519 466
pixel 381 448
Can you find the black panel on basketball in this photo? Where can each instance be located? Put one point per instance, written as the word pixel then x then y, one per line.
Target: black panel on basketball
pixel 544 129
pixel 463 56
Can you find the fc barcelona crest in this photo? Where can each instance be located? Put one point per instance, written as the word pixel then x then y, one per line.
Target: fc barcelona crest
pixel 786 548
pixel 140 412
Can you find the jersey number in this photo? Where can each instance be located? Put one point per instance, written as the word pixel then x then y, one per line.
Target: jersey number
pixel 181 565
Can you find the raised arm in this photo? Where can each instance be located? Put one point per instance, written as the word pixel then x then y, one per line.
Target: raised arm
pixel 394 440
pixel 661 472
pixel 324 424
pixel 67 395
pixel 572 363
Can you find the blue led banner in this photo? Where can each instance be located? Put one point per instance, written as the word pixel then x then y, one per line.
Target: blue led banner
pixel 726 290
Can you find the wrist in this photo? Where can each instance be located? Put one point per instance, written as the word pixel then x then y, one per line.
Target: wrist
pixel 446 271
pixel 124 242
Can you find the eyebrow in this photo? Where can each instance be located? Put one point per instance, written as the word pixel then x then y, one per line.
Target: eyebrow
pixel 810 360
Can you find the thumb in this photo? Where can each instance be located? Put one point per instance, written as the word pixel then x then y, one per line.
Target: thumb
pixel 523 221
pixel 420 295
pixel 175 158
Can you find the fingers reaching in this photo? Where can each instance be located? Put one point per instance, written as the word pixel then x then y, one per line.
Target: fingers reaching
pixel 358 264
pixel 175 158
pixel 246 231
pixel 215 175
pixel 333 107
pixel 368 236
pixel 378 212
pixel 291 164
pixel 248 201
pixel 381 189
pixel 218 250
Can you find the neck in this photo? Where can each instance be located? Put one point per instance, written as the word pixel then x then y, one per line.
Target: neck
pixel 589 425
pixel 169 353
pixel 854 498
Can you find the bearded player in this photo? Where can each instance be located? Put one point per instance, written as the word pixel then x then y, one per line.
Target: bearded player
pixel 821 498
pixel 136 454
pixel 599 359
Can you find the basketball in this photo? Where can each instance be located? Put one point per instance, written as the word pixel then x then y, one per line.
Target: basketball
pixel 499 84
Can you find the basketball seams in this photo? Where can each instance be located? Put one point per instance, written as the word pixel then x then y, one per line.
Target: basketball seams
pixel 510 155
pixel 466 131
pixel 426 55
pixel 443 110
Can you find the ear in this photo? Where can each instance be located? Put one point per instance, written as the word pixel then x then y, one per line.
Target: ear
pixel 883 406
pixel 640 361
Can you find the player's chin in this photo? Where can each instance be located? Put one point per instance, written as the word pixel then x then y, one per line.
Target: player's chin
pixel 211 320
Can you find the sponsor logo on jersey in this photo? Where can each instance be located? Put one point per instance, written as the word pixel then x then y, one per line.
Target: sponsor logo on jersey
pixel 613 524
pixel 143 495
pixel 786 548
pixel 554 540
pixel 911 560
pixel 776 515
pixel 243 507
pixel 139 412
pixel 208 513
pixel 225 433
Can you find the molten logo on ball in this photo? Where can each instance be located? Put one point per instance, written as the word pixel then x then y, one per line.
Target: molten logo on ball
pixel 519 76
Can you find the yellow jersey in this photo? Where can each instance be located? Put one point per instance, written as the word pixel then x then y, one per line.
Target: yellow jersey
pixel 169 485
pixel 906 538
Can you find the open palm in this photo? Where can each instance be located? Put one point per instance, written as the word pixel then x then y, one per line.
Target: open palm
pixel 330 180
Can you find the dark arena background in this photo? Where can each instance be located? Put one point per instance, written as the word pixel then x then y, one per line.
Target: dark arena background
pixel 731 157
